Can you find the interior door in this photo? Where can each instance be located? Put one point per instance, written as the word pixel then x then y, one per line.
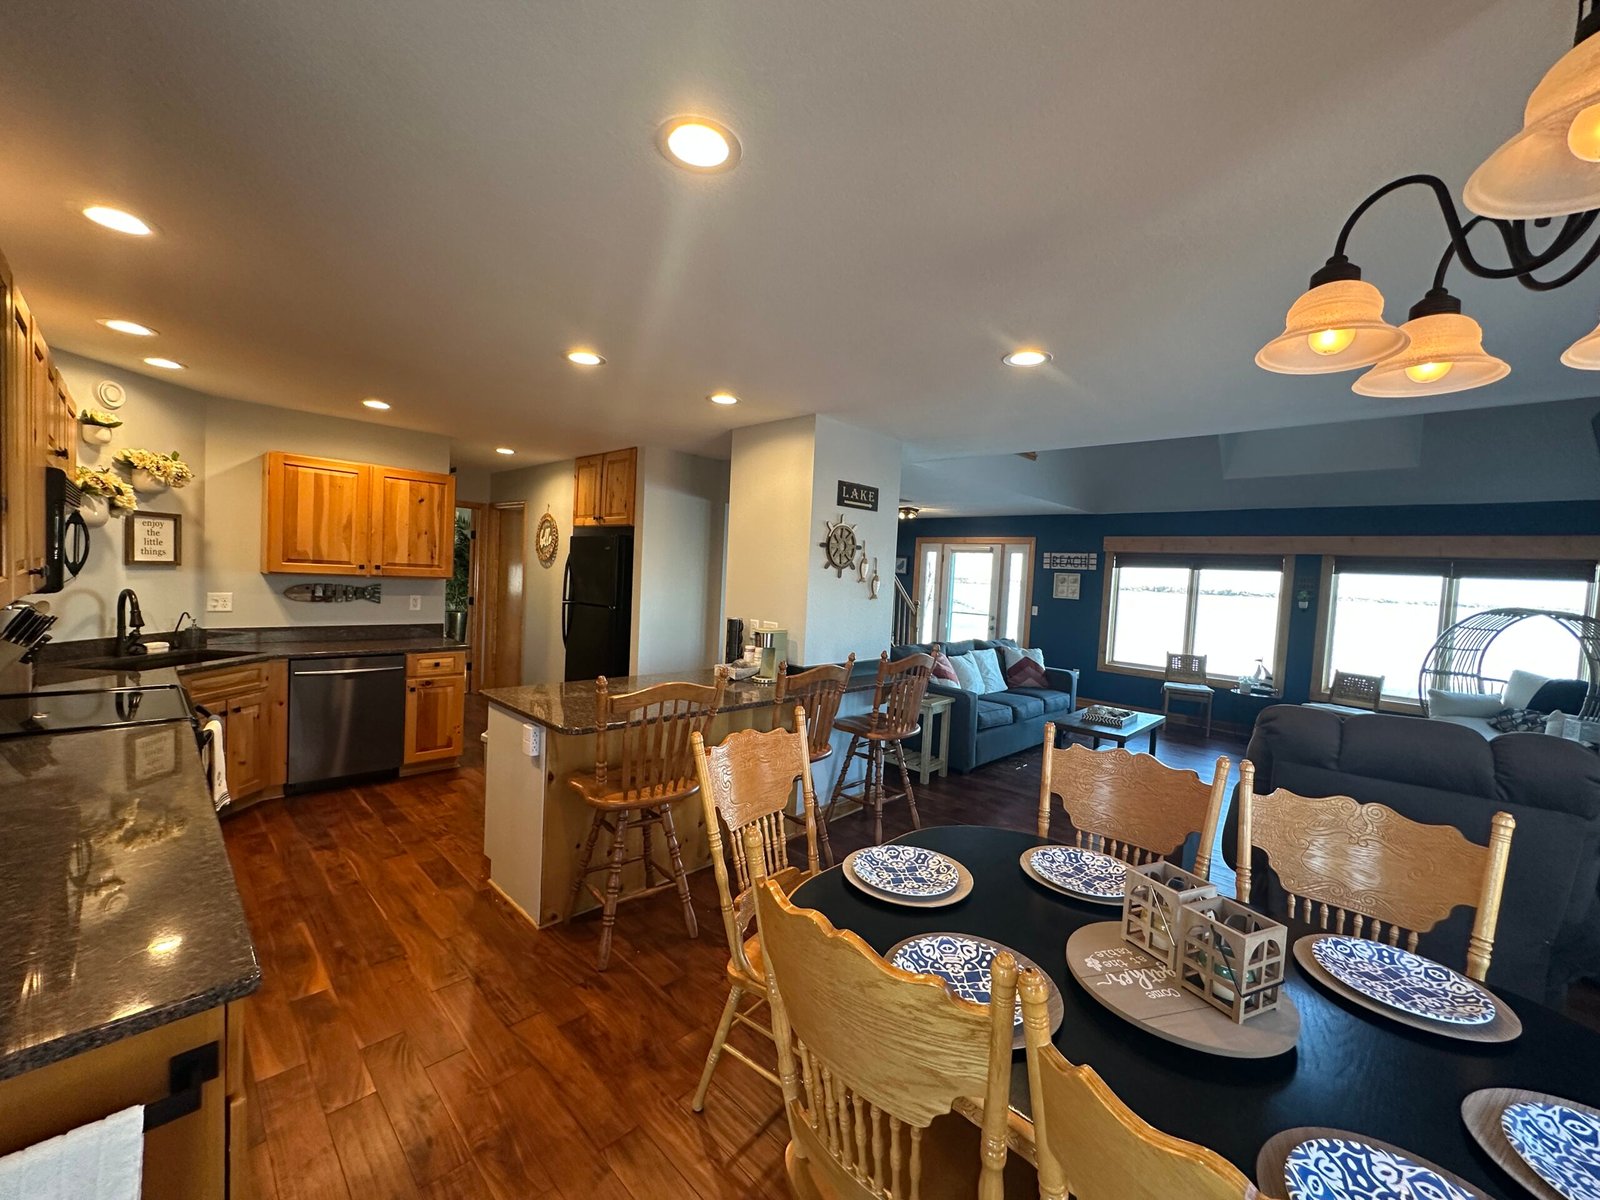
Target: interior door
pixel 502 541
pixel 971 599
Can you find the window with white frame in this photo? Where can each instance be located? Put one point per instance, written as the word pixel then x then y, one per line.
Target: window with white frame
pixel 1385 614
pixel 1226 608
pixel 974 588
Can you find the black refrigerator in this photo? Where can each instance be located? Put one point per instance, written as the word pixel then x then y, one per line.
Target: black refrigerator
pixel 597 605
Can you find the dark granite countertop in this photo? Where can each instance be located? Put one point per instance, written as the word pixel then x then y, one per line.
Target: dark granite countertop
pixel 570 707
pixel 118 909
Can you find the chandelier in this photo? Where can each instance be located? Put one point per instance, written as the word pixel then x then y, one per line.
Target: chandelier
pixel 1550 170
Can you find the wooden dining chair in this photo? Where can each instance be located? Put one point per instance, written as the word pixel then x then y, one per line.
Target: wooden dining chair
pixel 1131 806
pixel 1186 681
pixel 896 709
pixel 819 691
pixel 655 770
pixel 871 1058
pixel 749 780
pixel 1365 870
pixel 1092 1146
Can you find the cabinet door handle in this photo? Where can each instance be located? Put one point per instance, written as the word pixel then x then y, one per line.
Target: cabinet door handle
pixel 377 566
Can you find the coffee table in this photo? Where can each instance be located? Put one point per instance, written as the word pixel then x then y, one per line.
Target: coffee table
pixel 1142 722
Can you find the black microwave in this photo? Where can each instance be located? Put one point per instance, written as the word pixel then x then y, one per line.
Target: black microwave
pixel 66 537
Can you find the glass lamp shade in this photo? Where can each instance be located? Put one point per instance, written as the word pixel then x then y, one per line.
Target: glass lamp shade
pixel 1445 354
pixel 1335 327
pixel 1584 354
pixel 1539 171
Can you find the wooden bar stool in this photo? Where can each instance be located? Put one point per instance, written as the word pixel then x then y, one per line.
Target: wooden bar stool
pixel 656 770
pixel 896 702
pixel 818 691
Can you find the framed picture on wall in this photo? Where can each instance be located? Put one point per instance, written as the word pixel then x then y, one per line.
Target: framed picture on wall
pixel 1067 585
pixel 153 539
pixel 900 567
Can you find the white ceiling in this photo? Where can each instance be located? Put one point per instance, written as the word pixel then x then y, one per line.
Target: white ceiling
pixel 431 201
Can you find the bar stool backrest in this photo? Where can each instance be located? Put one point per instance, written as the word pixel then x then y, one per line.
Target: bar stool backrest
pixel 897 699
pixel 819 692
pixel 655 756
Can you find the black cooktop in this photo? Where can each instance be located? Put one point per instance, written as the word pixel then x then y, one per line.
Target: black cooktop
pixel 30 714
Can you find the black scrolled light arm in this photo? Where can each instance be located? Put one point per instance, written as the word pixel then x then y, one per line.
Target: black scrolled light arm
pixel 1524 260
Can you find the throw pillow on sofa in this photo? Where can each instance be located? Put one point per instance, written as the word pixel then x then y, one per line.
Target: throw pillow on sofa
pixel 1518 720
pixel 968 678
pixel 942 670
pixel 988 662
pixel 1024 671
pixel 1521 688
pixel 1560 695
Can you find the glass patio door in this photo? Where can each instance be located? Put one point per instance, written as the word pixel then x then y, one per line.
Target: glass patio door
pixel 972 575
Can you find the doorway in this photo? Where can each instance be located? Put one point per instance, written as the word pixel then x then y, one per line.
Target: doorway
pixel 502 551
pixel 973 588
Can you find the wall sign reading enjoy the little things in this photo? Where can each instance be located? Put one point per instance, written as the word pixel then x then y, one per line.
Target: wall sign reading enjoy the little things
pixel 858 495
pixel 153 539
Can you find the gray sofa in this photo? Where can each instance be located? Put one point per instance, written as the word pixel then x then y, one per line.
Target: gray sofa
pixel 1443 774
pixel 984 728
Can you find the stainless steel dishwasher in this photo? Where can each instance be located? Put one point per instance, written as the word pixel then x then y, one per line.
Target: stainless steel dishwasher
pixel 347 719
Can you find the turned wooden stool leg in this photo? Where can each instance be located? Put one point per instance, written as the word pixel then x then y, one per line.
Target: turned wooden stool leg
pixel 838 790
pixel 646 828
pixel 608 917
pixel 678 872
pixel 595 822
pixel 905 778
pixel 723 1026
pixel 822 829
pixel 875 788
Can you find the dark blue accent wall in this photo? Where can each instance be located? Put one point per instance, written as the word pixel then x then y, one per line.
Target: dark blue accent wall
pixel 1068 631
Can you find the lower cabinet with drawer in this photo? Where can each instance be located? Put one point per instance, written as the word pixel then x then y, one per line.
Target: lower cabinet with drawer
pixel 252 702
pixel 436 699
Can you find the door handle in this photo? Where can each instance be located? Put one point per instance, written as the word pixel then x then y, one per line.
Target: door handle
pixel 348 671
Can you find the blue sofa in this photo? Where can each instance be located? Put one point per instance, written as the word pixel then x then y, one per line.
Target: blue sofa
pixel 984 728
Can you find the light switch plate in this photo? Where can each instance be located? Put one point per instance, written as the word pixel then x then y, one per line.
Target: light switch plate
pixel 1036 610
pixel 416 603
pixel 219 601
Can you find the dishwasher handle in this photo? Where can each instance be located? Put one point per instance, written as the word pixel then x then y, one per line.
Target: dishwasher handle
pixel 349 671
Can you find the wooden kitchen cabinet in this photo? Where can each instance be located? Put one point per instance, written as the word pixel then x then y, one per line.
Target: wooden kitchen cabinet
pixel 604 488
pixel 436 700
pixel 252 703
pixel 321 516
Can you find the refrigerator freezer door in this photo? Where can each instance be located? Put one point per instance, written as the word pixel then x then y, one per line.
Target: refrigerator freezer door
pixel 595 567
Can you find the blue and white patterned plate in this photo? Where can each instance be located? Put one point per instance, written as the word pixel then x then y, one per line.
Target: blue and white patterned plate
pixel 961 961
pixel 1082 872
pixel 1562 1144
pixel 1343 1169
pixel 1403 980
pixel 906 871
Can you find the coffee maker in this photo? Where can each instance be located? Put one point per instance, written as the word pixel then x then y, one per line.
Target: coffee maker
pixel 772 650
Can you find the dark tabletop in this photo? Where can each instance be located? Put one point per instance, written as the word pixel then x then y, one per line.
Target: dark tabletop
pixel 118 910
pixel 1351 1070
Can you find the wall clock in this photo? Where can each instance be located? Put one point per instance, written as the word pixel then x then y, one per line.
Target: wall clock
pixel 839 546
pixel 546 539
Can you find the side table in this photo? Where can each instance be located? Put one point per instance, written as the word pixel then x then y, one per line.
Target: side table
pixel 922 760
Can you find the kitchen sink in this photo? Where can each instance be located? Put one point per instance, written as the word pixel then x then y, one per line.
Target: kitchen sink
pixel 155 662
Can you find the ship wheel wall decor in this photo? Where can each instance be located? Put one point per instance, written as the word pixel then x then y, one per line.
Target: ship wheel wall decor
pixel 839 546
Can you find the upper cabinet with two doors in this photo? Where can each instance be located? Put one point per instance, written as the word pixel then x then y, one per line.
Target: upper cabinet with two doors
pixel 320 516
pixel 604 487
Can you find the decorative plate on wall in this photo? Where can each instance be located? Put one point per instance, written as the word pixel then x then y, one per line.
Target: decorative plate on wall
pixel 110 393
pixel 546 539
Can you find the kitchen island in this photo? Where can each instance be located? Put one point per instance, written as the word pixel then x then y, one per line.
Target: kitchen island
pixel 541 734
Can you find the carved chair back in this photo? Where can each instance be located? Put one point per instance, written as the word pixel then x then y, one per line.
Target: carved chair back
pixel 1365 870
pixel 748 782
pixel 1186 668
pixel 869 1055
pixel 897 699
pixel 1357 691
pixel 1087 1140
pixel 819 692
pixel 1129 805
pixel 655 762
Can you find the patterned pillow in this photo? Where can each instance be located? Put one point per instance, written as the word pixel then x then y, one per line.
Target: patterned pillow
pixel 942 668
pixel 1519 720
pixel 1027 673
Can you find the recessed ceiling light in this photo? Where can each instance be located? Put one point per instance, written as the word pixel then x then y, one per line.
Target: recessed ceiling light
pixel 723 398
pixel 133 327
pixel 504 450
pixel 699 144
pixel 115 218
pixel 584 358
pixel 374 402
pixel 1025 358
pixel 166 364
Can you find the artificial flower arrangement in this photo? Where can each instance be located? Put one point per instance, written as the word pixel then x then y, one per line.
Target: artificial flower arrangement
pixel 164 470
pixel 105 483
pixel 100 417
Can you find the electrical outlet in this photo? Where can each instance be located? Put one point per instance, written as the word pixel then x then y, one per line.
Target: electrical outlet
pixel 416 603
pixel 219 601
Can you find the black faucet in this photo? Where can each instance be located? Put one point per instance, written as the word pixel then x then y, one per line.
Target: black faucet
pixel 129 622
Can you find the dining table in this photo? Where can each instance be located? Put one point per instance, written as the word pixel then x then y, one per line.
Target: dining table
pixel 1351 1069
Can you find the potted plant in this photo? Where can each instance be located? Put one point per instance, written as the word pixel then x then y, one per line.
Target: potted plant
pixel 104 496
pixel 154 473
pixel 97 425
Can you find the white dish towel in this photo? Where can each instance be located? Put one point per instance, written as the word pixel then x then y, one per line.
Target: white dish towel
pixel 100 1161
pixel 216 765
